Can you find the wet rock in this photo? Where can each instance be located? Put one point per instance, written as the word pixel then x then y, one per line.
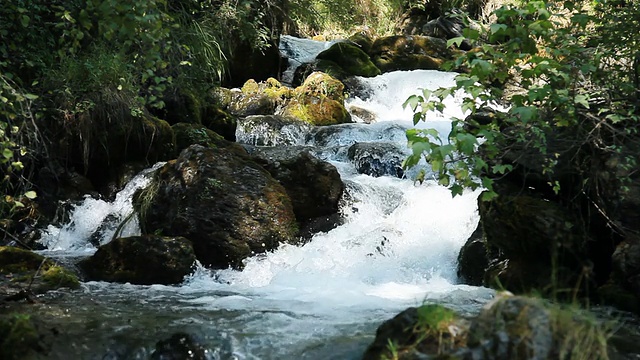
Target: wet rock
pixel 512 328
pixel 271 130
pixel 401 52
pixel 314 186
pixel 23 270
pixel 225 203
pixel 363 115
pixel 145 260
pixel 473 259
pixel 446 27
pixel 418 333
pixel 23 337
pixel 535 241
pixel 377 158
pixel 250 101
pixel 180 346
pixel 352 59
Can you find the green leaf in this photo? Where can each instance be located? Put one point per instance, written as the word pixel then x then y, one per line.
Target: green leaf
pixel 456 40
pixel 24 20
pixel 582 99
pixel 30 195
pixel 497 27
pixel 7 154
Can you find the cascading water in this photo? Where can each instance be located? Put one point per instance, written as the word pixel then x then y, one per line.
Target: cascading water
pixel 397 248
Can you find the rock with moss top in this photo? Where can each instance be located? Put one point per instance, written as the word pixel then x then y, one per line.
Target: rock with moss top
pixel 23 269
pixel 507 328
pixel 145 260
pixel 225 203
pixel 351 59
pixel 401 52
pixel 418 332
pixel 318 101
pixel 23 337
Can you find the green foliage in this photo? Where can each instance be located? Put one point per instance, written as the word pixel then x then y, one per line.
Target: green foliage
pixel 554 72
pixel 340 18
pixel 15 110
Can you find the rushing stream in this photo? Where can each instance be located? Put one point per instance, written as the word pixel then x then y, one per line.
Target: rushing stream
pixel 397 248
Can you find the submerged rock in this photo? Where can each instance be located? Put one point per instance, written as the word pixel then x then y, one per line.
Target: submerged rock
pixel 180 346
pixel 225 203
pixel 271 130
pixel 145 260
pixel 377 158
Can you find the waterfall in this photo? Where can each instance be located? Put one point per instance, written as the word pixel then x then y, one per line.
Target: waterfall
pixel 397 247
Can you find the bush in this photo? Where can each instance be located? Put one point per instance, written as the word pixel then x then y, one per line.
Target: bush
pixel 556 73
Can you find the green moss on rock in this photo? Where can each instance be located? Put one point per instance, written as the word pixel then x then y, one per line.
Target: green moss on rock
pixel 351 59
pixel 19 267
pixel 19 337
pixel 401 52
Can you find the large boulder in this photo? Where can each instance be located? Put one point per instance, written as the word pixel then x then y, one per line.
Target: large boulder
pixel 352 59
pixel 538 244
pixel 473 259
pixel 145 260
pixel 108 136
pixel 400 52
pixel 314 186
pixel 226 204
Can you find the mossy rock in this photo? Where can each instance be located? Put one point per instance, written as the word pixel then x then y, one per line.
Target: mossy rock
pixel 317 111
pixel 19 267
pixel 318 101
pixel 145 260
pixel 20 338
pixel 419 332
pixel 220 121
pixel 229 207
pixel 189 134
pixel 350 58
pixel 319 84
pixel 362 40
pixel 400 52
